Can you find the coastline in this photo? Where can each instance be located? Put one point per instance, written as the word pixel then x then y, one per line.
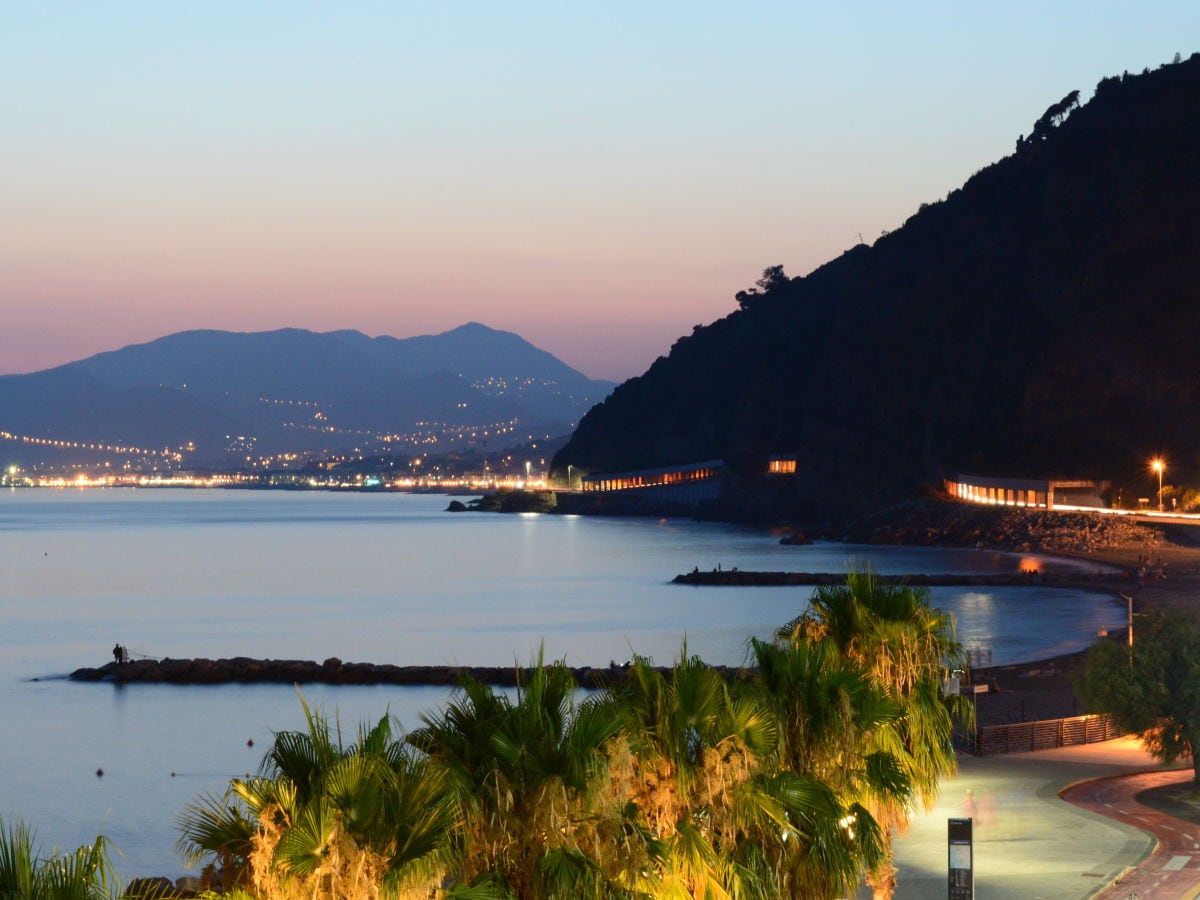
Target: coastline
pixel 1027 691
pixel 1031 690
pixel 1044 689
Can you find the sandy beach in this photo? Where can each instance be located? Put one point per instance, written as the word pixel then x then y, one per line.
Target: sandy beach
pixel 1044 689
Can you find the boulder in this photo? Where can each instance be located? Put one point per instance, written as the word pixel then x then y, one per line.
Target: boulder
pixel 159 888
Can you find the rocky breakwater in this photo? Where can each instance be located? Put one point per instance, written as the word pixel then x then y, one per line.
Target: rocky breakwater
pixel 736 577
pixel 945 523
pixel 332 671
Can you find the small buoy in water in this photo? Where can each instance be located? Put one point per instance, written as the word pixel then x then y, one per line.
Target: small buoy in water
pixel 172 774
pixel 250 743
pixel 99 773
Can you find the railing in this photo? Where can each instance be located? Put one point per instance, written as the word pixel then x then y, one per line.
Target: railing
pixel 1048 734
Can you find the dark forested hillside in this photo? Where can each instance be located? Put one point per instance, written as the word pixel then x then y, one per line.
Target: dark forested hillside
pixel 1042 320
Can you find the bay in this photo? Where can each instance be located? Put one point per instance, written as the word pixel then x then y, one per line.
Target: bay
pixel 385 578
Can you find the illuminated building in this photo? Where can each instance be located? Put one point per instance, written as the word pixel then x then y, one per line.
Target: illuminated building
pixel 685 484
pixel 1044 494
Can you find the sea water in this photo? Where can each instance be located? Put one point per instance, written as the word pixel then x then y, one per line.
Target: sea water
pixel 384 578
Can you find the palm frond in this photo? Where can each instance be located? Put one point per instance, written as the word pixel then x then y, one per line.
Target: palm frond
pixel 214 826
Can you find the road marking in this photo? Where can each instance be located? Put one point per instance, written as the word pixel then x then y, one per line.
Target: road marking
pixel 1175 863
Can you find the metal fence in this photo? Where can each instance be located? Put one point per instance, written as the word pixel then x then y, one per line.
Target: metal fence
pixel 1048 734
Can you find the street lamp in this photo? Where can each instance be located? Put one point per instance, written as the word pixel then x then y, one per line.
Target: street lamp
pixel 1158 465
pixel 569 468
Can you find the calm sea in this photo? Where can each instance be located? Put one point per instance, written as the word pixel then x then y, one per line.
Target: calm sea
pixel 386 578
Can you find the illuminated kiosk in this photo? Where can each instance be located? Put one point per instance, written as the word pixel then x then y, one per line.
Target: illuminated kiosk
pixel 1042 494
pixel 688 484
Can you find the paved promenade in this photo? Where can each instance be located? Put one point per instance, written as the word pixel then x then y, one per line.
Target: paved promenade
pixel 1173 870
pixel 1029 843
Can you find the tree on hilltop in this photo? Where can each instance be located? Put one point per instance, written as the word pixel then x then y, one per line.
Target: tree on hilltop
pixel 1055 115
pixel 772 278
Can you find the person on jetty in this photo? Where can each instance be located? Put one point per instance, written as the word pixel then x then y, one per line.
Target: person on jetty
pixel 120 654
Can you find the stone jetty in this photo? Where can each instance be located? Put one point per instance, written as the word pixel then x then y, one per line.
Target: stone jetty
pixel 736 577
pixel 332 671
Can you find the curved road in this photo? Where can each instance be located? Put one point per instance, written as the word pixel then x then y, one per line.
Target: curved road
pixel 1173 869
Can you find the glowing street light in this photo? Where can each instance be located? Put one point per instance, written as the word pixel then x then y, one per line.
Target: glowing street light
pixel 569 468
pixel 1158 465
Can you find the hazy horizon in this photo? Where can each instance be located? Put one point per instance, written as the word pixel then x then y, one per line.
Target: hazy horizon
pixel 596 180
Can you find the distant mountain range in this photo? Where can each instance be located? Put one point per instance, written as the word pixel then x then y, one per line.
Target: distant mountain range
pixel 215 397
pixel 1040 321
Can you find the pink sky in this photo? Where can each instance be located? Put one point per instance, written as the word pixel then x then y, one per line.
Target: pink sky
pixel 597 180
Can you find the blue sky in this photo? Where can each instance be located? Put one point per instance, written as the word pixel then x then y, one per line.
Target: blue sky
pixel 597 178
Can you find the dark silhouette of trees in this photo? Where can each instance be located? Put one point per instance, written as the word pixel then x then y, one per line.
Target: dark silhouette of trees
pixel 772 279
pixel 1054 116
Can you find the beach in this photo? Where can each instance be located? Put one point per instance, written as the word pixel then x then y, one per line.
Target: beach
pixel 1167 555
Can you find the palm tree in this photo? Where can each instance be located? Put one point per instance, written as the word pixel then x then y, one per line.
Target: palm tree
pixel 830 714
pixel 729 815
pixel 323 819
pixel 528 777
pixel 82 875
pixel 689 749
pixel 906 646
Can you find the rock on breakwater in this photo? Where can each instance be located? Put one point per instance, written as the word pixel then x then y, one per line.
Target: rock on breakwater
pixel 332 671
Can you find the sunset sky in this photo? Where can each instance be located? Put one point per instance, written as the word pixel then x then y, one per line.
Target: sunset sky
pixel 596 177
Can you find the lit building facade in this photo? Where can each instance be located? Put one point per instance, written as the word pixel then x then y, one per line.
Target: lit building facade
pixel 1043 494
pixel 687 484
pixel 781 465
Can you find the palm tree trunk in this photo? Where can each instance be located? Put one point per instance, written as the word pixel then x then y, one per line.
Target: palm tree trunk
pixel 883 880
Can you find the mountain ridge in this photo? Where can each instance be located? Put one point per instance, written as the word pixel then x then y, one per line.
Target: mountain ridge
pixel 291 390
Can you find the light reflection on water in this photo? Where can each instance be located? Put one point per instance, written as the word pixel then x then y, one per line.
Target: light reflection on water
pixel 380 578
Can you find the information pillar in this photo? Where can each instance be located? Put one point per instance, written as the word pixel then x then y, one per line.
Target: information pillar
pixel 962 876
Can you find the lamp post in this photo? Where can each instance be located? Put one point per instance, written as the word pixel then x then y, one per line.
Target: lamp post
pixel 569 468
pixel 1103 632
pixel 1158 465
pixel 527 466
